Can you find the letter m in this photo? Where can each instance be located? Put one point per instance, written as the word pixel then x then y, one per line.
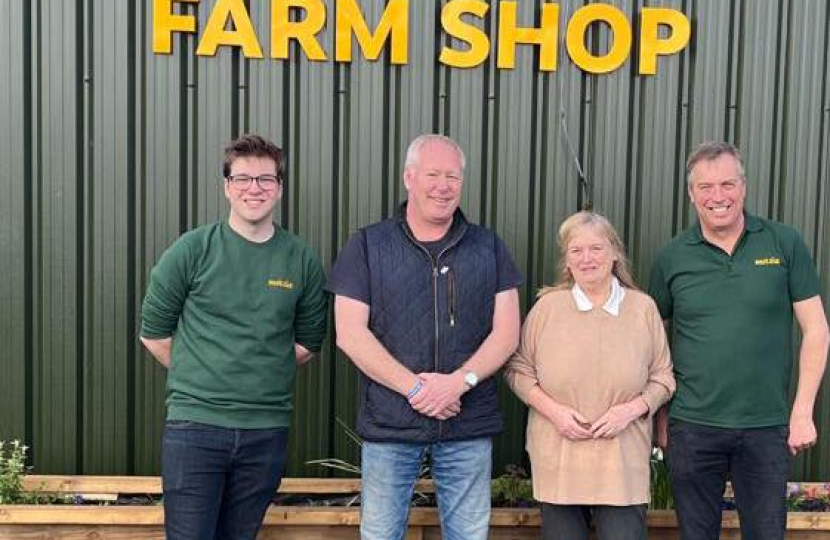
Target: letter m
pixel 350 21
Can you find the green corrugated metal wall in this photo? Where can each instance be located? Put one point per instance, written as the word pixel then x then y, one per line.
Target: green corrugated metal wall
pixel 109 152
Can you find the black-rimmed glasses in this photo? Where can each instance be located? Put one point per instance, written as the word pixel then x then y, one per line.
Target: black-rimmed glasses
pixel 266 182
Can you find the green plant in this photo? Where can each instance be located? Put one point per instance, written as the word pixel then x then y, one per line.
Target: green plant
pixel 661 494
pixel 353 468
pixel 339 464
pixel 12 469
pixel 513 488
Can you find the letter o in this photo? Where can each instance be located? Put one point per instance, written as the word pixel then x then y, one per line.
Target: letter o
pixel 620 30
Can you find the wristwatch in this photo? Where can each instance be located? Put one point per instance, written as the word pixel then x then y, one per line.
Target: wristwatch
pixel 470 379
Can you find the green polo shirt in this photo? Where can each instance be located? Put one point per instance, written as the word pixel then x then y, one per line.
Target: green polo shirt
pixel 732 320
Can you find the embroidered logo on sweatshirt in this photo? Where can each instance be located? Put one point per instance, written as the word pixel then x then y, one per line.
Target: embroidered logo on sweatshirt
pixel 769 261
pixel 280 284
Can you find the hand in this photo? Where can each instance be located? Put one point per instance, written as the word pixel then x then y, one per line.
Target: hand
pixel 802 433
pixel 440 395
pixel 452 410
pixel 617 418
pixel 569 423
pixel 661 428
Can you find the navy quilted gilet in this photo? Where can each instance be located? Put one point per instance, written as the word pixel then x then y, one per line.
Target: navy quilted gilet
pixel 431 316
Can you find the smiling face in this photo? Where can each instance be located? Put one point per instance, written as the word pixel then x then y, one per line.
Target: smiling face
pixel 434 184
pixel 717 190
pixel 252 207
pixel 590 257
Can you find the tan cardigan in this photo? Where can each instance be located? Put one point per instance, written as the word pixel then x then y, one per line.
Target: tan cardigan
pixel 589 361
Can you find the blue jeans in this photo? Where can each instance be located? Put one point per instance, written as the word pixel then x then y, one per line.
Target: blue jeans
pixel 218 482
pixel 573 522
pixel 461 470
pixel 700 460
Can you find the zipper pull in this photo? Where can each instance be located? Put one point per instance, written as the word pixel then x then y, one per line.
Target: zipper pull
pixel 452 320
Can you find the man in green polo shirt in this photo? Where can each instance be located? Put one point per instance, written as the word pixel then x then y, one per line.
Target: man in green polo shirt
pixel 231 309
pixel 729 286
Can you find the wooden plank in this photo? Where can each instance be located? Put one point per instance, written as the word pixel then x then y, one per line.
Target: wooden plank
pixel 151 485
pixel 82 515
pixel 80 532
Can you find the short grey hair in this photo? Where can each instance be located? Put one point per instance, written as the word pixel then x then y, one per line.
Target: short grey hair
pixel 413 153
pixel 710 151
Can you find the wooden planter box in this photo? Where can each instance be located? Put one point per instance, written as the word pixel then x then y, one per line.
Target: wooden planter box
pixel 291 522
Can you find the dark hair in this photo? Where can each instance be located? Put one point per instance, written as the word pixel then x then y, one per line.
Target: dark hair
pixel 253 146
pixel 710 151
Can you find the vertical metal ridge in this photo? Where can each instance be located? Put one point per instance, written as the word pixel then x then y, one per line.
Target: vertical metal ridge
pixel 293 150
pixel 584 131
pixel 822 156
pixel 29 198
pixel 739 82
pixel 286 130
pixel 389 206
pixel 487 98
pixel 690 96
pixel 489 217
pixel 192 108
pixel 681 137
pixel 236 61
pixel 84 151
pixel 436 88
pixel 37 235
pixel 728 111
pixel 184 125
pixel 133 134
pixel 776 167
pixel 634 83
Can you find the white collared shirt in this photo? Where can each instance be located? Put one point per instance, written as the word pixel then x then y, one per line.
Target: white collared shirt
pixel 612 305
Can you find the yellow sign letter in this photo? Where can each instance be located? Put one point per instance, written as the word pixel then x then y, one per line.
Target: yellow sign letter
pixel 242 35
pixel 545 36
pixel 165 23
pixel 478 40
pixel 395 20
pixel 650 43
pixel 283 30
pixel 620 44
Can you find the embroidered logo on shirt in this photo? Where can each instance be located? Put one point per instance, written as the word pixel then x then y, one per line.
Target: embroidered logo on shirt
pixel 280 284
pixel 769 261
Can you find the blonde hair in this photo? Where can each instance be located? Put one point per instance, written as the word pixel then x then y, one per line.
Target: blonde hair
pixel 568 229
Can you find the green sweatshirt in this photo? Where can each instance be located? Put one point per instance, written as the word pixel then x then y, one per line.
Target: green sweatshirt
pixel 234 308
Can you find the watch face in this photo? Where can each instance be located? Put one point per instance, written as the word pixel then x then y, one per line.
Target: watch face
pixel 470 378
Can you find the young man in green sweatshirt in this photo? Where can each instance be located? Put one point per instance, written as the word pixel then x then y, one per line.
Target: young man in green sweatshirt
pixel 231 310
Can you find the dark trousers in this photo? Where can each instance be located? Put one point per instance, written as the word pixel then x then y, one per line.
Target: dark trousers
pixel 218 482
pixel 573 522
pixel 702 458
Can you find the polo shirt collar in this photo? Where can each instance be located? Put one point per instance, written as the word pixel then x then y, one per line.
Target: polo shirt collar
pixel 611 306
pixel 751 224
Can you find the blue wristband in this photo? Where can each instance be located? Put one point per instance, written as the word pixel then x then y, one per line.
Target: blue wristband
pixel 415 389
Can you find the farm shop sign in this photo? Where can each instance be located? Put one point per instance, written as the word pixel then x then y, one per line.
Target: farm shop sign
pixel 229 24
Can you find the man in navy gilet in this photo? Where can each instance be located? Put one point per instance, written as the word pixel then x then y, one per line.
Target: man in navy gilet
pixel 427 308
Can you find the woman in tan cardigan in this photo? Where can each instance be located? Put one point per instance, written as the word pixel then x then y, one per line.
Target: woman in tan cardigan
pixel 593 366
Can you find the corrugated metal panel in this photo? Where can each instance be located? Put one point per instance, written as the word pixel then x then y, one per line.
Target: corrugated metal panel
pixel 58 286
pixel 15 217
pixel 113 152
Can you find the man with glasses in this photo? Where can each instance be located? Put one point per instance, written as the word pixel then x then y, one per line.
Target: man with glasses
pixel 427 308
pixel 231 310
